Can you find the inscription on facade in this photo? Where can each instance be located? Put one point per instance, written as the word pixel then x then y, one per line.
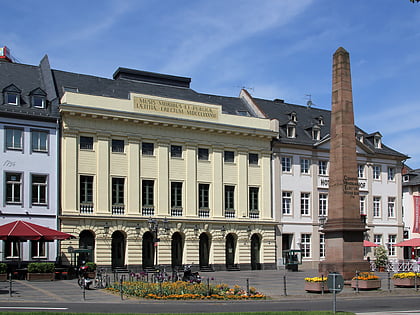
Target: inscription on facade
pixel 351 186
pixel 8 163
pixel 164 106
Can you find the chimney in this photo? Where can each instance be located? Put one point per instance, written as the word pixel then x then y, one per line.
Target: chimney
pixel 5 54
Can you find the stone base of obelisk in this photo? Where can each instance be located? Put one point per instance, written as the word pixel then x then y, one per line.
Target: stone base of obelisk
pixel 346 269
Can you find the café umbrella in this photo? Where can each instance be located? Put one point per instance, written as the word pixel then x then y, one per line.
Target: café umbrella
pixel 367 243
pixel 414 242
pixel 26 231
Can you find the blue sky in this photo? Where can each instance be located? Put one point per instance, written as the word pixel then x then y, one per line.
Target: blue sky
pixel 276 49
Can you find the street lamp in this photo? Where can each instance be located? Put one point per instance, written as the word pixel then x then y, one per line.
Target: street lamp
pixel 154 228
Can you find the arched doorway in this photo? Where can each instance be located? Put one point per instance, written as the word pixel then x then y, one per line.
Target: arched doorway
pixel 118 249
pixel 176 250
pixel 255 252
pixel 204 250
pixel 86 242
pixel 230 251
pixel 148 253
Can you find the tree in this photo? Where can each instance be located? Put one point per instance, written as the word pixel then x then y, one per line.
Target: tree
pixel 415 0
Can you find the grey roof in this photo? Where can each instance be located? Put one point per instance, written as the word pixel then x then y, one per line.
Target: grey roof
pixel 414 178
pixel 307 117
pixel 121 87
pixel 28 80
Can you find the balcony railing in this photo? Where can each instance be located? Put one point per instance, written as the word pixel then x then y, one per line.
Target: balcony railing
pixel 254 214
pixel 203 213
pixel 148 211
pixel 86 208
pixel 176 212
pixel 229 213
pixel 118 209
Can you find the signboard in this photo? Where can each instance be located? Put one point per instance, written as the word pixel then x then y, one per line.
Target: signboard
pixel 335 282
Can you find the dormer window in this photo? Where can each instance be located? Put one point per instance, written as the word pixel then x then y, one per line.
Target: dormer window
pixel 359 136
pixel 243 113
pixel 377 142
pixel 321 121
pixel 316 133
pixel 12 95
pixel 291 131
pixel 38 98
pixel 293 117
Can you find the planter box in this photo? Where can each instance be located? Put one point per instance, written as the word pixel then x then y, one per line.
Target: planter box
pixel 316 287
pixel 40 276
pixel 405 282
pixel 366 284
pixel 3 276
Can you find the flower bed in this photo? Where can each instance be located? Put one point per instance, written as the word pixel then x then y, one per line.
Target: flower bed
pixel 181 290
pixel 406 279
pixel 366 281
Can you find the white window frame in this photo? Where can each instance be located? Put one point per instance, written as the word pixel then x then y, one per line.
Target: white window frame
pixel 286 202
pixel 305 166
pixel 321 245
pixel 391 207
pixel 377 239
pixel 360 170
pixel 16 97
pixel 39 143
pixel 376 207
pixel 392 239
pixel 322 167
pixel 41 248
pixel 377 170
pixel 41 189
pixel 305 203
pixel 16 138
pixel 15 185
pixel 323 204
pixel 305 245
pixel 286 164
pixel 362 203
pixel 39 98
pixel 391 174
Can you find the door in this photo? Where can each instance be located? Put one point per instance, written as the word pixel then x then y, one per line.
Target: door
pixel 118 249
pixel 176 250
pixel 148 250
pixel 86 241
pixel 255 252
pixel 204 250
pixel 230 250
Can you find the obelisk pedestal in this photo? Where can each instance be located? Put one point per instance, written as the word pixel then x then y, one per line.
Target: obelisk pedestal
pixel 344 228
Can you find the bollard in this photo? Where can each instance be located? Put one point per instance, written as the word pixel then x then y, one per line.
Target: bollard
pixel 389 281
pixel 10 285
pixel 322 284
pixel 284 285
pixel 415 281
pixel 121 288
pixel 83 289
pixel 247 286
pixel 357 281
pixel 208 286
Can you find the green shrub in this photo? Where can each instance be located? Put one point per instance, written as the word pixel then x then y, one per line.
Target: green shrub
pixel 3 268
pixel 40 267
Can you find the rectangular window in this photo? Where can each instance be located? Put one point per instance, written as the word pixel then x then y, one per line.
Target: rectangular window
pixel 14 139
pixel 392 239
pixel 377 239
pixel 304 166
pixel 363 205
pixel 203 196
pixel 38 249
pixel 306 245
pixel 286 164
pixel 253 198
pixel 12 249
pixel 38 101
pixel 376 207
pixel 176 151
pixel 12 98
pixel 147 196
pixel 304 203
pixel 323 204
pixel 86 143
pixel 361 171
pixel 203 154
pixel 39 190
pixel 322 245
pixel 117 191
pixel 39 141
pixel 229 197
pixel 13 188
pixel 176 195
pixel 391 173
pixel 86 189
pixel 253 159
pixel 117 146
pixel 322 167
pixel 291 131
pixel 376 172
pixel 147 148
pixel 286 202
pixel 229 156
pixel 391 207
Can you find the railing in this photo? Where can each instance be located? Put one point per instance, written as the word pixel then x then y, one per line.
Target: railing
pixel 118 209
pixel 86 208
pixel 229 214
pixel 398 266
pixel 148 211
pixel 254 214
pixel 203 213
pixel 176 212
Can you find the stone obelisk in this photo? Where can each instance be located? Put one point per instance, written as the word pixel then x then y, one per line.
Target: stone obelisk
pixel 343 229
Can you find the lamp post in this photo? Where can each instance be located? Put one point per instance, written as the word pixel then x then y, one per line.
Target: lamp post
pixel 154 228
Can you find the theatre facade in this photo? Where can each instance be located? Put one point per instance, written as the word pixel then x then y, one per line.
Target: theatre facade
pixel 154 173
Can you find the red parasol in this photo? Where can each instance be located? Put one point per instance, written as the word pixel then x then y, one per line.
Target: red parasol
pixel 24 231
pixel 414 242
pixel 369 244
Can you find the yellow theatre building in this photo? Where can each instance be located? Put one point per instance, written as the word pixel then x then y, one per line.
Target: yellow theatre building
pixel 154 173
